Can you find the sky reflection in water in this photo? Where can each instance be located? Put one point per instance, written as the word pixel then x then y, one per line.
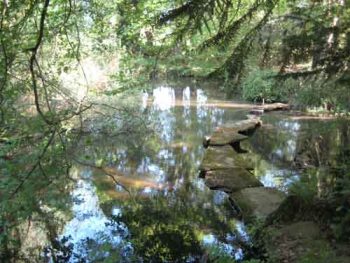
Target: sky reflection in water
pixel 90 229
pixel 164 168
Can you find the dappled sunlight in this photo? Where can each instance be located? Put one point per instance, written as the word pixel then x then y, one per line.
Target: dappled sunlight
pixel 87 75
pixel 165 167
pixel 174 131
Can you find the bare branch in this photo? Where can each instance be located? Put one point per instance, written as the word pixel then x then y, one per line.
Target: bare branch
pixel 36 165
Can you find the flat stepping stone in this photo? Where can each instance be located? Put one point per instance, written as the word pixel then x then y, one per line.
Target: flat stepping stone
pixel 242 126
pixel 232 133
pixel 231 180
pixel 222 158
pixel 257 202
pixel 224 137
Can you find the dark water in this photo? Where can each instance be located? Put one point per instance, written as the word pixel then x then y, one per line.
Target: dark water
pixel 162 211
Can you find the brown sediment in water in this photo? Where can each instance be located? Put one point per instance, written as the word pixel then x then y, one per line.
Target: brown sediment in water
pixel 132 181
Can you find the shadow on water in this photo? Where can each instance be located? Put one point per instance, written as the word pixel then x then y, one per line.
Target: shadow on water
pixel 168 214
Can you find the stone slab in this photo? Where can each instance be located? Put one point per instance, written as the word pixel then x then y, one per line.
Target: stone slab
pixel 242 126
pixel 223 157
pixel 257 202
pixel 231 180
pixel 223 137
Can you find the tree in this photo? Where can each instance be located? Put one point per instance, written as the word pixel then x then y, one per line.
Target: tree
pixel 296 38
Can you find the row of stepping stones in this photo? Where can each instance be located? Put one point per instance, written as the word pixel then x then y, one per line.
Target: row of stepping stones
pixel 224 168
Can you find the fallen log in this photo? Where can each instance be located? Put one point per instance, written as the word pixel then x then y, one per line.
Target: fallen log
pixel 259 110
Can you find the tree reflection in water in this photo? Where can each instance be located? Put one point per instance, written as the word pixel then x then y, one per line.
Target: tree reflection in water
pixel 169 214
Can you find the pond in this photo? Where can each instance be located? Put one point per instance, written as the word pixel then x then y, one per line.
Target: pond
pixel 160 210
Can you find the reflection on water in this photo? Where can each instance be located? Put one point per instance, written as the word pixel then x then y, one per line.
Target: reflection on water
pixel 164 98
pixel 278 178
pixel 169 213
pixel 90 231
pixel 287 147
pixel 224 248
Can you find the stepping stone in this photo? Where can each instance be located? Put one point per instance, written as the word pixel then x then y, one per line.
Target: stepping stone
pixel 230 180
pixel 224 137
pixel 257 202
pixel 231 133
pixel 242 126
pixel 222 158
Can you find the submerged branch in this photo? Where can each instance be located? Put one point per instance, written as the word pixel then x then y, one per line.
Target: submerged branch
pixel 105 172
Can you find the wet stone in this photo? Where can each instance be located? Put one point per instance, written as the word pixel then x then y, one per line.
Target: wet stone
pixel 257 202
pixel 230 180
pixel 232 133
pixel 222 158
pixel 242 126
pixel 224 137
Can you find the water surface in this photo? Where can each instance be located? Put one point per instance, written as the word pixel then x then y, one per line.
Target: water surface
pixel 160 210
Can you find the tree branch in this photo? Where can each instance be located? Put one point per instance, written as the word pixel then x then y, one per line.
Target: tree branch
pixel 36 165
pixel 32 60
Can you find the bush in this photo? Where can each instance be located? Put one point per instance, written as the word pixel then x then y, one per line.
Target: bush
pixel 261 86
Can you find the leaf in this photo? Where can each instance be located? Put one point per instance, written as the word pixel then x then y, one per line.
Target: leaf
pixel 99 163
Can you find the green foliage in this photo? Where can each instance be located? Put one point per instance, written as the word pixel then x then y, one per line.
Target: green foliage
pixel 308 42
pixel 217 254
pixel 320 253
pixel 261 85
pixel 169 238
pixel 331 95
pixel 341 227
pixel 306 187
pixel 40 41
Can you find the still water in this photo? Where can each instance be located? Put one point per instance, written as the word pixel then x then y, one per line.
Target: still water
pixel 160 210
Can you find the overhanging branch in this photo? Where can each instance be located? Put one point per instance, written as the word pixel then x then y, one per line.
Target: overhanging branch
pixel 32 60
